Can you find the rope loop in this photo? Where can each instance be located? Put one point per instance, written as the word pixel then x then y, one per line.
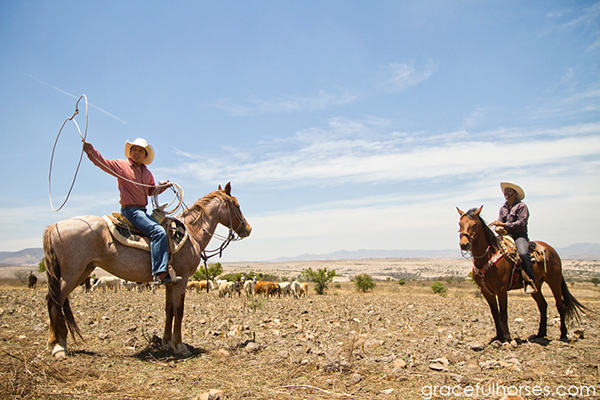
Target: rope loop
pixel 71 118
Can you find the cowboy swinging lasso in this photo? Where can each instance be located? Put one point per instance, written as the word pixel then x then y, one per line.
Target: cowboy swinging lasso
pixel 74 247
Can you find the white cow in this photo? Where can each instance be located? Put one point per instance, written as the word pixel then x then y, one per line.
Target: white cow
pixel 249 288
pixel 107 282
pixel 226 288
pixel 296 289
pixel 284 288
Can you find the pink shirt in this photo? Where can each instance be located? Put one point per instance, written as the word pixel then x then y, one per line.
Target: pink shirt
pixel 131 194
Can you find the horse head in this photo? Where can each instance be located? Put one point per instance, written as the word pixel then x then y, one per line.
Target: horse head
pixel 468 227
pixel 234 219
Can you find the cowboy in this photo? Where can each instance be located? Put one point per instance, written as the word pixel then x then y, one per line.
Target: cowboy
pixel 136 183
pixel 513 218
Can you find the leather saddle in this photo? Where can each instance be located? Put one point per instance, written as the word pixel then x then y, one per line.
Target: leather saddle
pixel 127 234
pixel 509 248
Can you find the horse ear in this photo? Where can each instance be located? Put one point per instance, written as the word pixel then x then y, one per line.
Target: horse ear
pixel 460 212
pixel 478 211
pixel 228 189
pixel 220 187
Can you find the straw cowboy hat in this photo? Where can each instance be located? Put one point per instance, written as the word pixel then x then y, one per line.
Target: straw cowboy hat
pixel 515 187
pixel 142 143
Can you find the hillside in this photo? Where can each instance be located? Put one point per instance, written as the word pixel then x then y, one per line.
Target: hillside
pixel 23 257
pixel 578 251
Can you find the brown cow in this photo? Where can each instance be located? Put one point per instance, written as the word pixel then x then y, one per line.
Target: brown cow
pixel 266 288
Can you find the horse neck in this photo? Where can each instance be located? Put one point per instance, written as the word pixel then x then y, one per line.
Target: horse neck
pixel 204 223
pixel 481 249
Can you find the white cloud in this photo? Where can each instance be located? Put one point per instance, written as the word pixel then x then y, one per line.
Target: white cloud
pixel 319 160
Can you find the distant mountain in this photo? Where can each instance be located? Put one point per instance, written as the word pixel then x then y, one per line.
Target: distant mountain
pixel 578 251
pixel 23 257
pixel 364 253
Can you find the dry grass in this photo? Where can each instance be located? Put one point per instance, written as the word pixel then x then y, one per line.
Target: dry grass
pixel 378 345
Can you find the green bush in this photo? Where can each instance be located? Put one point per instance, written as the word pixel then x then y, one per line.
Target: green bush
pixel 214 270
pixel 595 281
pixel 401 282
pixel 439 288
pixel 364 282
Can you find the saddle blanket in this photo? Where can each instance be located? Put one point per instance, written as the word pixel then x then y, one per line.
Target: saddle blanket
pixel 128 235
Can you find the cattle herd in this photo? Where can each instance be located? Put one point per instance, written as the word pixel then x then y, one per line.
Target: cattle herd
pixel 223 288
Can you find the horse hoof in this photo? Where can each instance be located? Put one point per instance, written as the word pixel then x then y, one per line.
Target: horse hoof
pixel 59 352
pixel 182 350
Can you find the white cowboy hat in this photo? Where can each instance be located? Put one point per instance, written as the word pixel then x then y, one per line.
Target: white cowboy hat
pixel 142 143
pixel 515 187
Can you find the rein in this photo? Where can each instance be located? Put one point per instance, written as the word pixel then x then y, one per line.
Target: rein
pixel 226 240
pixel 492 261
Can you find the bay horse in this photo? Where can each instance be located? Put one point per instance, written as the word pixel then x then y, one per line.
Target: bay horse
pixel 492 271
pixel 74 247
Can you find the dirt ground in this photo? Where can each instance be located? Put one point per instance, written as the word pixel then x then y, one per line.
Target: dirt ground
pixel 396 342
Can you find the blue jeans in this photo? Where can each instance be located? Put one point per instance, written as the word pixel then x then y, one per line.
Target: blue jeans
pixel 159 246
pixel 523 248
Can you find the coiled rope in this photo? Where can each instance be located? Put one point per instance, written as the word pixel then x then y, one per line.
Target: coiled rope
pixel 178 190
pixel 71 118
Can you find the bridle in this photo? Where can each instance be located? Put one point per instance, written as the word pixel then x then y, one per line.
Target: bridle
pixel 465 253
pixel 225 240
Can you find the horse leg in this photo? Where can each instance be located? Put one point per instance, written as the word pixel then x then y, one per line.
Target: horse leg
pixel 178 306
pixel 543 307
pixel 59 309
pixel 558 294
pixel 491 299
pixel 57 332
pixel 168 332
pixel 503 300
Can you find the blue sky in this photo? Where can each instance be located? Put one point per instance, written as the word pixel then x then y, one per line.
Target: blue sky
pixel 342 125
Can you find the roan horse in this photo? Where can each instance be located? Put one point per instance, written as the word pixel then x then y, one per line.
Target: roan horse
pixel 75 246
pixel 492 271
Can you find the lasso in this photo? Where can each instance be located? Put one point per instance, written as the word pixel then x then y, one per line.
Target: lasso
pixel 178 190
pixel 71 118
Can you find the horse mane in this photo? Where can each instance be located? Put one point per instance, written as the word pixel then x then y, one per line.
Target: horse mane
pixel 198 209
pixel 489 234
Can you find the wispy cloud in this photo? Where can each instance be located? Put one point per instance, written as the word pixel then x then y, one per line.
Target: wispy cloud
pixel 403 76
pixel 77 97
pixel 343 160
pixel 285 104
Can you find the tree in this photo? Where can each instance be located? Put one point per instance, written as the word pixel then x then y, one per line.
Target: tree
pixel 321 278
pixel 595 281
pixel 41 266
pixel 214 270
pixel 364 282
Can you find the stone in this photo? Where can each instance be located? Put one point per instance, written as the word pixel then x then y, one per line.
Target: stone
pixel 477 346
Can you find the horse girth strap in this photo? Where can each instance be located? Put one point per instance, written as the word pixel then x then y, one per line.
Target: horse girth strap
pixel 491 262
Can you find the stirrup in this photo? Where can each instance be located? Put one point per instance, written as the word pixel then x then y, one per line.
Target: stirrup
pixel 530 287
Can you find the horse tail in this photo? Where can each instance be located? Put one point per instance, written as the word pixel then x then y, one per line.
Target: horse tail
pixel 571 304
pixel 59 315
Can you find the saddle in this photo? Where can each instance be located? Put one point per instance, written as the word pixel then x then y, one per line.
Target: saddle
pixel 509 248
pixel 127 234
